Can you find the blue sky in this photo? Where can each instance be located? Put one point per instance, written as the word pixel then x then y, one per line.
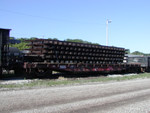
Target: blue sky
pixel 80 19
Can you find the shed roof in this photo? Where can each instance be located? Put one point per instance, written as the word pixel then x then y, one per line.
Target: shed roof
pixel 4 29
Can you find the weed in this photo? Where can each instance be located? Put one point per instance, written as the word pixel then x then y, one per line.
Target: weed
pixel 63 81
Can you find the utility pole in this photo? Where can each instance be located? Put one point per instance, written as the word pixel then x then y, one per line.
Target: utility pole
pixel 107 21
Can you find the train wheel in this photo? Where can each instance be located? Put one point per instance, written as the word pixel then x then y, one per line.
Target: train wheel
pixel 0 71
pixel 42 72
pixel 142 70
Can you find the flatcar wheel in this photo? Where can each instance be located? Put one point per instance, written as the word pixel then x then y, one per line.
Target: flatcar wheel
pixel 142 70
pixel 0 71
pixel 42 72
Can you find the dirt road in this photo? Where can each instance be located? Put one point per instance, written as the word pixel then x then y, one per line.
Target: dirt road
pixel 116 97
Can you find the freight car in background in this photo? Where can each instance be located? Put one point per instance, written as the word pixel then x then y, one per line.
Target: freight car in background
pixel 10 57
pixel 4 48
pixel 140 59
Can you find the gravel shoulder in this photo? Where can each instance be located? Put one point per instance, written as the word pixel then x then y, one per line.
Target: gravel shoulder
pixel 97 97
pixel 23 83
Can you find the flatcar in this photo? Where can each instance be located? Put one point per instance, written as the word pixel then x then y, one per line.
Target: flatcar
pixel 45 56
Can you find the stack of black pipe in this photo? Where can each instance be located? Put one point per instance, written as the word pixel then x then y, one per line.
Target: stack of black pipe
pixel 54 51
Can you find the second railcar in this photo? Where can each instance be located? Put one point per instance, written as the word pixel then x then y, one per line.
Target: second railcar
pixel 144 61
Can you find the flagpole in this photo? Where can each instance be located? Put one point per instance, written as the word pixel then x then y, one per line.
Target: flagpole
pixel 107 21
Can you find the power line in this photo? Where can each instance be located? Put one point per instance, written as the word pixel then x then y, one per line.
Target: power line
pixel 47 18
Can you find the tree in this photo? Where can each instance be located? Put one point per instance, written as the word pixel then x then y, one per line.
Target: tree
pixel 20 46
pixel 80 41
pixel 137 53
pixel 12 38
pixel 127 51
pixel 140 53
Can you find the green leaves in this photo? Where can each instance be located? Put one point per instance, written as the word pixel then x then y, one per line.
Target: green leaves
pixel 80 41
pixel 140 53
pixel 20 46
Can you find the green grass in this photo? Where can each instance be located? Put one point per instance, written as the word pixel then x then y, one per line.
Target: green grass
pixel 48 83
